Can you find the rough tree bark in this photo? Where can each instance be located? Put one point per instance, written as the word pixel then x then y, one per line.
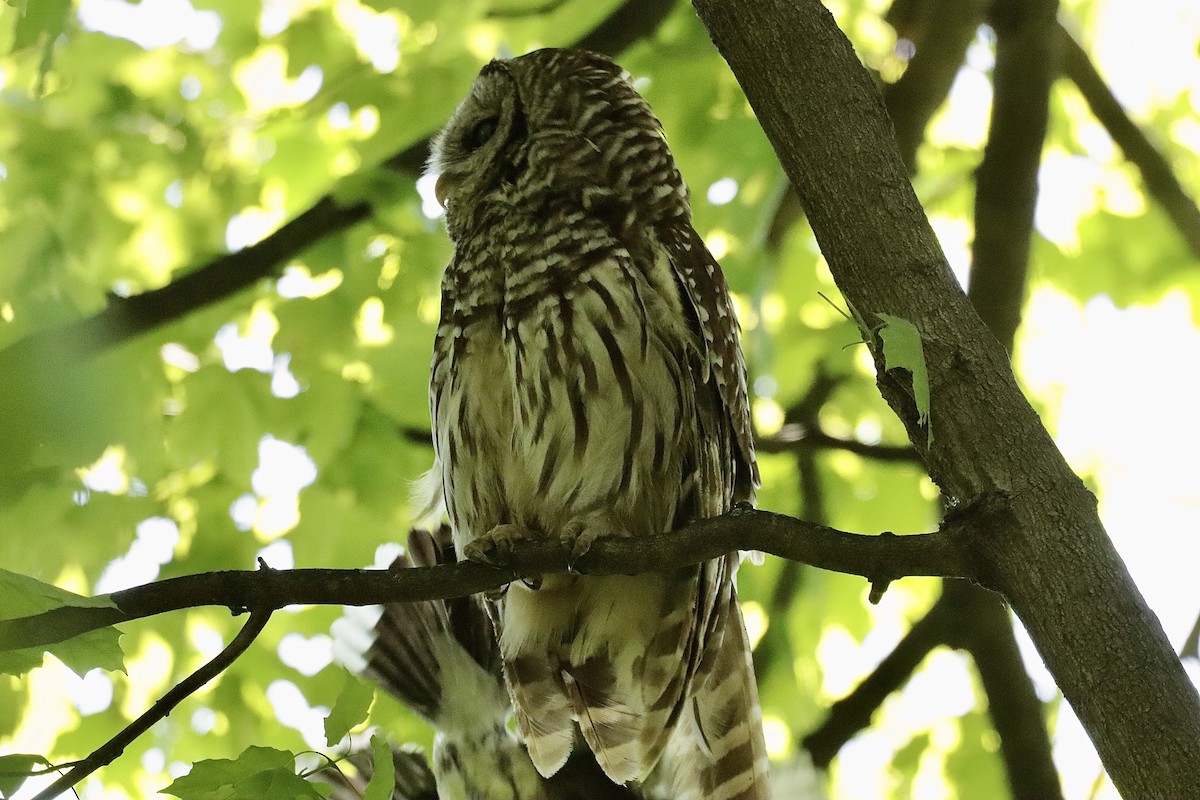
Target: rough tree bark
pixel 1048 553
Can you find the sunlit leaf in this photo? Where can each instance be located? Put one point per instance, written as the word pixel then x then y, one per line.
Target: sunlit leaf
pixel 902 350
pixel 383 776
pixel 349 709
pixel 259 772
pixel 22 596
pixel 15 768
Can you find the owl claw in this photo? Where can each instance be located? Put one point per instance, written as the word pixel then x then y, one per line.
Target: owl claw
pixel 495 548
pixel 581 532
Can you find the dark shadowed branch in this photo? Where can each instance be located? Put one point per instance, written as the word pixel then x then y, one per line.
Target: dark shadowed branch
pixel 795 438
pixel 979 623
pixel 947 552
pixel 853 712
pixel 1156 171
pixel 940 32
pixel 1005 197
pixel 1006 181
pixel 223 276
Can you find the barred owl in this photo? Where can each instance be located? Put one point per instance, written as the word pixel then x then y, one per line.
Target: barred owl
pixel 587 381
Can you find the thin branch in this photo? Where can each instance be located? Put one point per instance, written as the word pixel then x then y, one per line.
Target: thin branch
pixel 853 712
pixel 1156 171
pixel 528 11
pixel 776 644
pixel 945 553
pixel 110 750
pixel 128 317
pixel 794 438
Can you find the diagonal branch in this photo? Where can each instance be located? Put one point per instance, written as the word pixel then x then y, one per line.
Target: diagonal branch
pixel 1156 170
pixel 110 750
pixel 947 552
pixel 853 712
pixel 224 276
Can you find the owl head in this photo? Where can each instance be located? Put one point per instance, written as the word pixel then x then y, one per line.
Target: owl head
pixel 555 121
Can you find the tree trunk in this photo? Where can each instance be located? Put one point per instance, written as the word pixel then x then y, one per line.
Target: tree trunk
pixel 1043 542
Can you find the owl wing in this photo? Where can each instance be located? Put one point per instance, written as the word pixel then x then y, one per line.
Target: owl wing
pixel 717 752
pixel 705 295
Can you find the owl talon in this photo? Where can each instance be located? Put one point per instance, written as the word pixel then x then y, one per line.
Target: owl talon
pixel 580 533
pixel 495 548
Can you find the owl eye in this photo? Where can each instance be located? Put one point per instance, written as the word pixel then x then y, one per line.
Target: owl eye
pixel 481 132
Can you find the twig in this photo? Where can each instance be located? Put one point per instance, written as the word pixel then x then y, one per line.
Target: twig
pixel 794 438
pixel 528 11
pixel 946 552
pixel 110 750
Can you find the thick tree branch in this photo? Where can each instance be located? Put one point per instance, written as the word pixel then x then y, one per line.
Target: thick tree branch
pixel 1052 559
pixel 110 750
pixel 224 276
pixel 1156 170
pixel 947 552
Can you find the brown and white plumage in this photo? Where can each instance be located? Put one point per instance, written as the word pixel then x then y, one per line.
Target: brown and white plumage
pixel 440 659
pixel 587 381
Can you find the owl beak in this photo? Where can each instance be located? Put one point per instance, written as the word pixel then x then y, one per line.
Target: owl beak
pixel 445 185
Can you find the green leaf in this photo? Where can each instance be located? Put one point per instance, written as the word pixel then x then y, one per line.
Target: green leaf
pixel 902 350
pixel 349 709
pixel 383 778
pixel 41 17
pixel 22 596
pixel 15 768
pixel 259 772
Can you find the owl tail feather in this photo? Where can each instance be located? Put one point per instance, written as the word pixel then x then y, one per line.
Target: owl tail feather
pixel 717 752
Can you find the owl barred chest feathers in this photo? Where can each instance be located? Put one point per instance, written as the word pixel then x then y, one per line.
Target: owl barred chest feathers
pixel 571 363
pixel 587 380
